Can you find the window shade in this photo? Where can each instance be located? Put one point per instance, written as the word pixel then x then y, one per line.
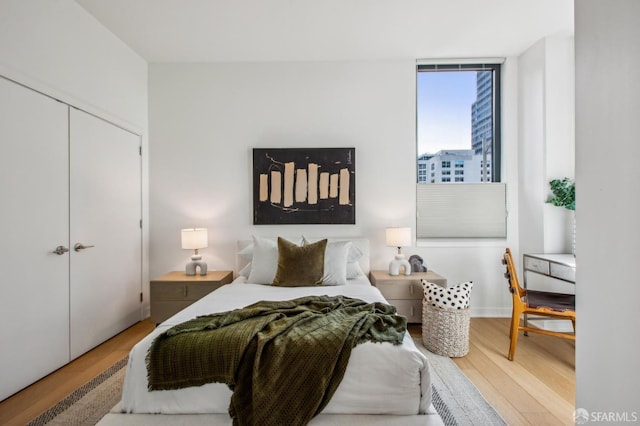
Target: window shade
pixel 462 210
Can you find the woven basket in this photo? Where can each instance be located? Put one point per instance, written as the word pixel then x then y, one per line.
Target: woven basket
pixel 445 331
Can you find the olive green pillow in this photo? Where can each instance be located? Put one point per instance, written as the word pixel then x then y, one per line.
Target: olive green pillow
pixel 300 266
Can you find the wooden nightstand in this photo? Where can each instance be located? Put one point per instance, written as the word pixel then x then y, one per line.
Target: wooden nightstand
pixel 175 291
pixel 405 291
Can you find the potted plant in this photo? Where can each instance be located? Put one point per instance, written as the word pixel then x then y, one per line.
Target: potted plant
pixel 564 195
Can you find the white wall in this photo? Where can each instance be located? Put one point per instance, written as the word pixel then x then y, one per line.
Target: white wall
pixel 546 141
pixel 57 48
pixel 546 150
pixel 607 111
pixel 206 118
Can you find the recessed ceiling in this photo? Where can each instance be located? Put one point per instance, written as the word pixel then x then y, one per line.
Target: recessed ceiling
pixel 329 30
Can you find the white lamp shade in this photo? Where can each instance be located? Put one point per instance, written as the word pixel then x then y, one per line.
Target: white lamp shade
pixel 398 237
pixel 195 238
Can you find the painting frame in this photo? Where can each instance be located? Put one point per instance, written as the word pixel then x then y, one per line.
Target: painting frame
pixel 304 186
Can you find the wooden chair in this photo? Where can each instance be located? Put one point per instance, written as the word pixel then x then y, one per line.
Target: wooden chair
pixel 542 303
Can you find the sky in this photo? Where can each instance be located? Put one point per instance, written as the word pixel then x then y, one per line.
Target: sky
pixel 444 102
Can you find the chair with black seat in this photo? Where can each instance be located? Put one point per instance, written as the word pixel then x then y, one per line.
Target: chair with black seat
pixel 542 303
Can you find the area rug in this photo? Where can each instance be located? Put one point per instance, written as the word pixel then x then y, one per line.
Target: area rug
pixel 89 403
pixel 455 398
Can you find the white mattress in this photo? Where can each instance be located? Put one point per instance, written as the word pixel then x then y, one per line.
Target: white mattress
pixel 380 378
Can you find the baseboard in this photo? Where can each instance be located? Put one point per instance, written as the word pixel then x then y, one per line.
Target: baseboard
pixel 490 312
pixel 563 326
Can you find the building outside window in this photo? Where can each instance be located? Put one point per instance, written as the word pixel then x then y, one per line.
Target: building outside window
pixel 458 122
pixel 458 113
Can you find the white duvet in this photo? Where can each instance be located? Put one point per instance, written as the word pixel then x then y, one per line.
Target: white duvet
pixel 380 378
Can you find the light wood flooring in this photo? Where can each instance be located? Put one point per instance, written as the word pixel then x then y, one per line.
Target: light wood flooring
pixel 537 388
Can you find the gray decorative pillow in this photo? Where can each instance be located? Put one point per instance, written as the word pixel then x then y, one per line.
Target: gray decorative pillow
pixel 456 297
pixel 300 266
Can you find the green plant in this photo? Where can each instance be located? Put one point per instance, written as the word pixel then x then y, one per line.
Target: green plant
pixel 564 193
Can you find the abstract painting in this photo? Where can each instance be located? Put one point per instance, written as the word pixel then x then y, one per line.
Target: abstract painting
pixel 304 186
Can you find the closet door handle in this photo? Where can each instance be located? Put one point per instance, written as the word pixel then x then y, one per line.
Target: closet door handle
pixel 80 246
pixel 60 250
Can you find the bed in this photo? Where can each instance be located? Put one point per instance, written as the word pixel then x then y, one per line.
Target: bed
pixel 380 379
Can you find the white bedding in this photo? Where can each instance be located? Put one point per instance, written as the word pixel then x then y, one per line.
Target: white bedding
pixel 380 378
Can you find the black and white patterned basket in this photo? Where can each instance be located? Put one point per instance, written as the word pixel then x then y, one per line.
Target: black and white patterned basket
pixel 445 331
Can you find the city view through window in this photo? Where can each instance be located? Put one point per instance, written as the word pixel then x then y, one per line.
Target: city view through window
pixel 455 125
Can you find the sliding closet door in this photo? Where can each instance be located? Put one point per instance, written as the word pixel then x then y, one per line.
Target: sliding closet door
pixel 34 283
pixel 105 213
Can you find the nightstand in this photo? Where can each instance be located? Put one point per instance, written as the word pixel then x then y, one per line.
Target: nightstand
pixel 405 291
pixel 175 291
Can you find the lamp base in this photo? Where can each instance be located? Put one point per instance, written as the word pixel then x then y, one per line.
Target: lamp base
pixel 398 262
pixel 194 264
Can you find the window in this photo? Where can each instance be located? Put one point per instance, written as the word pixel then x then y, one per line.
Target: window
pixel 458 116
pixel 458 122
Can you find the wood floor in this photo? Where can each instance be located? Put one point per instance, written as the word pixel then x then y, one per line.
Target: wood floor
pixel 537 388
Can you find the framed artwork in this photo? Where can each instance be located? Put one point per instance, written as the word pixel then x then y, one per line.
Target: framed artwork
pixel 304 186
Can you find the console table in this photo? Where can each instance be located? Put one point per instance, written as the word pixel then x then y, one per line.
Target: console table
pixel 559 266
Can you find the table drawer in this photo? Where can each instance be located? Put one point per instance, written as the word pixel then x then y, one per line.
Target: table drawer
pixel 162 310
pixel 411 309
pixel 400 289
pixel 172 291
pixel 537 265
pixel 563 272
pixel 168 291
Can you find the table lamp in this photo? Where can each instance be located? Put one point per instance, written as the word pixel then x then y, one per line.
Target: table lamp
pixel 194 239
pixel 399 237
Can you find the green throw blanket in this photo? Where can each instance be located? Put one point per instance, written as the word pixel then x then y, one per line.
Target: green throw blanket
pixel 283 360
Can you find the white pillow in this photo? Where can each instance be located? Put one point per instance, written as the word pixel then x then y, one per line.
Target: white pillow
pixel 456 297
pixel 264 262
pixel 353 266
pixel 246 270
pixel 335 263
pixel 246 253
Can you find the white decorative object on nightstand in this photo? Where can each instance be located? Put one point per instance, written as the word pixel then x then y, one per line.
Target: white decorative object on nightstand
pixel 399 237
pixel 195 239
pixel 405 292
